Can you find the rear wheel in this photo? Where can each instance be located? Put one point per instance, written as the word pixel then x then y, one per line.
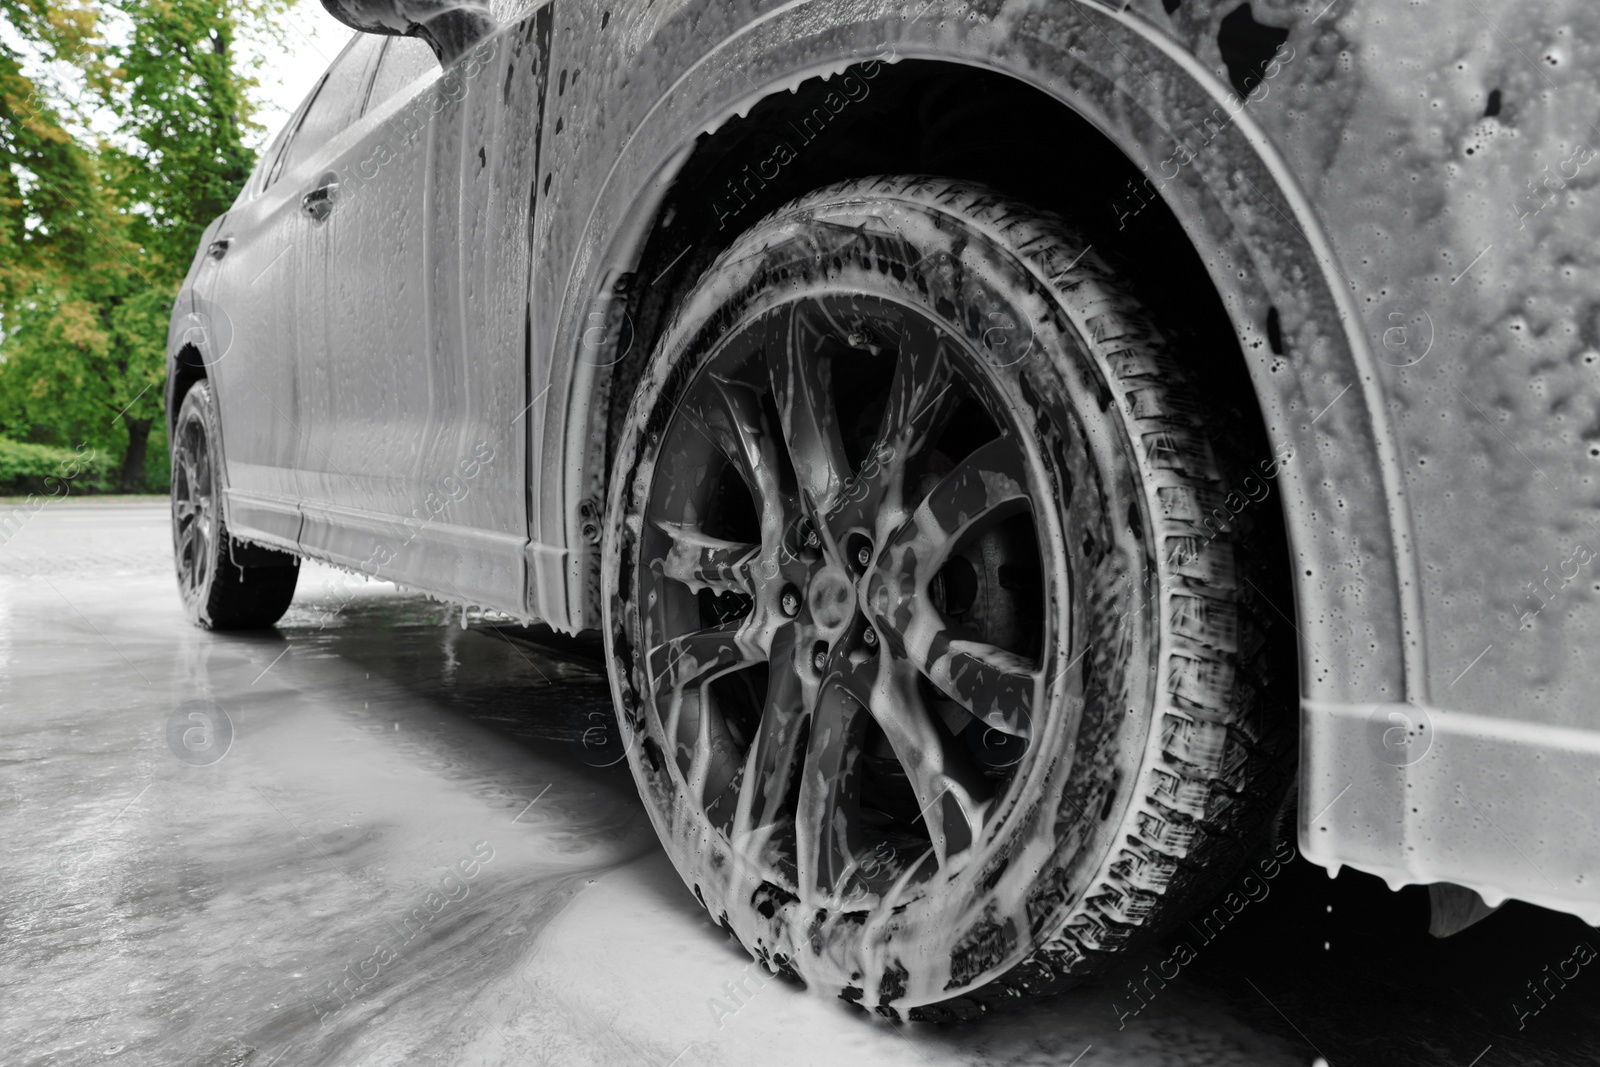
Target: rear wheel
pixel 935 688
pixel 225 584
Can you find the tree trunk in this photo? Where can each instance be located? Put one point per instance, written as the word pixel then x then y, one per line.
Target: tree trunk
pixel 132 478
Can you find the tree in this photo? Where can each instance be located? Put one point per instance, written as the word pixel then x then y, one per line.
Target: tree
pixel 47 180
pixel 103 229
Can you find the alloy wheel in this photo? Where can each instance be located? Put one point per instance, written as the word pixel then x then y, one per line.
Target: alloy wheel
pixel 194 514
pixel 847 637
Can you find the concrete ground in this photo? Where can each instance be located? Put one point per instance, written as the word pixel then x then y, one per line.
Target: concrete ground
pixel 392 840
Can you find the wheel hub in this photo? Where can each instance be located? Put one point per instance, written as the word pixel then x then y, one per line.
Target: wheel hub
pixel 831 597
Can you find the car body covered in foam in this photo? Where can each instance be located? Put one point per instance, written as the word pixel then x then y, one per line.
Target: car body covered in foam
pixel 1392 202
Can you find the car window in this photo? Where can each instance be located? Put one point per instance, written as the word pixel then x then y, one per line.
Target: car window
pixel 269 158
pixel 333 104
pixel 405 59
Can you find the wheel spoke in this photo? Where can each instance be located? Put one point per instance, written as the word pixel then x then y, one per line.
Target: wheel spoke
pixel 999 688
pixel 202 549
pixel 920 403
pixel 187 560
pixel 996 686
pixel 701 561
pixel 202 468
pixel 802 387
pixel 195 553
pixel 680 669
pixel 949 787
pixel 770 765
pixel 917 404
pixel 738 427
pixel 827 823
pixel 990 483
pixel 693 659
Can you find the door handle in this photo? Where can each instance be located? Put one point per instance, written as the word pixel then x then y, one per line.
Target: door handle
pixel 318 203
pixel 219 248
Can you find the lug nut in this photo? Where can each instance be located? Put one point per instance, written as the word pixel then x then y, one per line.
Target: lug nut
pixel 870 636
pixel 790 602
pixel 819 659
pixel 811 538
pixel 864 555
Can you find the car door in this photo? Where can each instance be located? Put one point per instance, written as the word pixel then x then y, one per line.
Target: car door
pixel 416 467
pixel 241 316
pixel 256 295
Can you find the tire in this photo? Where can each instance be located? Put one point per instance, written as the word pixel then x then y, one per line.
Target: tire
pixel 936 689
pixel 225 584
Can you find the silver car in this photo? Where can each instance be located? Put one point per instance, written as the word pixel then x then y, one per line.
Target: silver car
pixel 1028 461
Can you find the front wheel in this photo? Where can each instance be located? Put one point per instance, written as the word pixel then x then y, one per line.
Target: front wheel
pixel 225 584
pixel 935 687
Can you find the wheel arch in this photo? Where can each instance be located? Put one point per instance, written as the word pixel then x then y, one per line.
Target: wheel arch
pixel 188 367
pixel 1294 330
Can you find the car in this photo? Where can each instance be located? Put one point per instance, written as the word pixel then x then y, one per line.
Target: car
pixel 1024 460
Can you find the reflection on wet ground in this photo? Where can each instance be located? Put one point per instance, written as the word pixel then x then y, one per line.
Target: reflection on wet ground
pixel 386 838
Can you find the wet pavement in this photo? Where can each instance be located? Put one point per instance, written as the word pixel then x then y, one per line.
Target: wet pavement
pixel 382 838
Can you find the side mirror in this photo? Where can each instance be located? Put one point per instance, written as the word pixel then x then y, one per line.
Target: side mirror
pixel 451 27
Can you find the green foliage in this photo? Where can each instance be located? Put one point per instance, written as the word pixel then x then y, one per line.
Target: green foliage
pixel 51 222
pixel 84 358
pixel 26 468
pixel 96 235
pixel 184 108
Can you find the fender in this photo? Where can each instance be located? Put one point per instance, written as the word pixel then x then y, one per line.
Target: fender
pixel 1237 201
